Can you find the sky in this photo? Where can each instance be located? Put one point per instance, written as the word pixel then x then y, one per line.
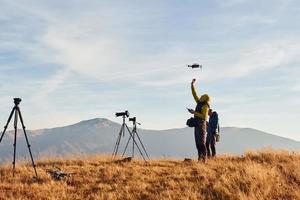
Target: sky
pixel 75 60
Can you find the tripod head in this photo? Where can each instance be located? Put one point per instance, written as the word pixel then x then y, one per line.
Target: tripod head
pixel 133 120
pixel 17 101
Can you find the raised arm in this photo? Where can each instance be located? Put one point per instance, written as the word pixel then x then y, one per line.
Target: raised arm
pixel 194 91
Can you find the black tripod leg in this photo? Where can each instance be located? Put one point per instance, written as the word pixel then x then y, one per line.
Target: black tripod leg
pixel 28 145
pixel 136 143
pixel 116 146
pixel 121 133
pixel 142 144
pixel 126 146
pixel 5 127
pixel 15 140
pixel 133 134
pixel 117 143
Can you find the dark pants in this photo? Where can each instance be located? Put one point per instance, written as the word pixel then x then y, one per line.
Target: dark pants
pixel 211 144
pixel 200 135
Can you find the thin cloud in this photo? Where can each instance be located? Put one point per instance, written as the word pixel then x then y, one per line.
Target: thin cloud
pixel 50 86
pixel 104 52
pixel 296 88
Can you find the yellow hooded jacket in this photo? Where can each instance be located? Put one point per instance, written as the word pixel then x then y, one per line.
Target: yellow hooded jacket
pixel 204 98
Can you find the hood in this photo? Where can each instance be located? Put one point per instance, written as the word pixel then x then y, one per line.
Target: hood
pixel 205 98
pixel 214 114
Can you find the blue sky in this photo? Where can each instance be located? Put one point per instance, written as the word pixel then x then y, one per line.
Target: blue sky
pixel 75 60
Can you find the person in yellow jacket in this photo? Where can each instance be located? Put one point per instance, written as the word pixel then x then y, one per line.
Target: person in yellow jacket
pixel 201 116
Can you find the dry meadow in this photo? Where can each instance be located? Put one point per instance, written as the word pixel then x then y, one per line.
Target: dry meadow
pixel 256 175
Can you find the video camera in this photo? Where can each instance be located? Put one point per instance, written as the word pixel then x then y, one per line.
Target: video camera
pixel 123 114
pixel 133 119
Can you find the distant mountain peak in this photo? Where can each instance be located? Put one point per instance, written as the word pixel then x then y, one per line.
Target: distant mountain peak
pixel 96 122
pixel 99 135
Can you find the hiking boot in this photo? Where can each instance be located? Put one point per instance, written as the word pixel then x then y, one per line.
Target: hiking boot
pixel 202 159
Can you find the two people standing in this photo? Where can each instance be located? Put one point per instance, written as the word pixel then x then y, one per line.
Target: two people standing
pixel 205 145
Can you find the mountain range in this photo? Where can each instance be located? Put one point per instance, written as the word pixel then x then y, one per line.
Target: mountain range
pixel 99 136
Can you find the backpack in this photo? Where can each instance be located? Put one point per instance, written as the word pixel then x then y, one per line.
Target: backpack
pixel 192 122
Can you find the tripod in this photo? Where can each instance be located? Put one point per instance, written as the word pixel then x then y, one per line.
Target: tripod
pixel 134 134
pixel 17 112
pixel 122 132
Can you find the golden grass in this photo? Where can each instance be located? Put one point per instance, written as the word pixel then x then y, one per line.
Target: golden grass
pixel 256 175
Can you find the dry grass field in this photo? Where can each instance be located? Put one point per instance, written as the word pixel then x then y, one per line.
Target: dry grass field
pixel 257 175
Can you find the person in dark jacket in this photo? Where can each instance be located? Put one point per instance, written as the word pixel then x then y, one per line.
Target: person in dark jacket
pixel 201 115
pixel 212 131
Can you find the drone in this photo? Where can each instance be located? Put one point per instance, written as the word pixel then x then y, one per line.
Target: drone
pixel 195 65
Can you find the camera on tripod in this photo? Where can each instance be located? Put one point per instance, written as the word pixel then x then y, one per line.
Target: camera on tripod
pixel 133 135
pixel 123 114
pixel 17 101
